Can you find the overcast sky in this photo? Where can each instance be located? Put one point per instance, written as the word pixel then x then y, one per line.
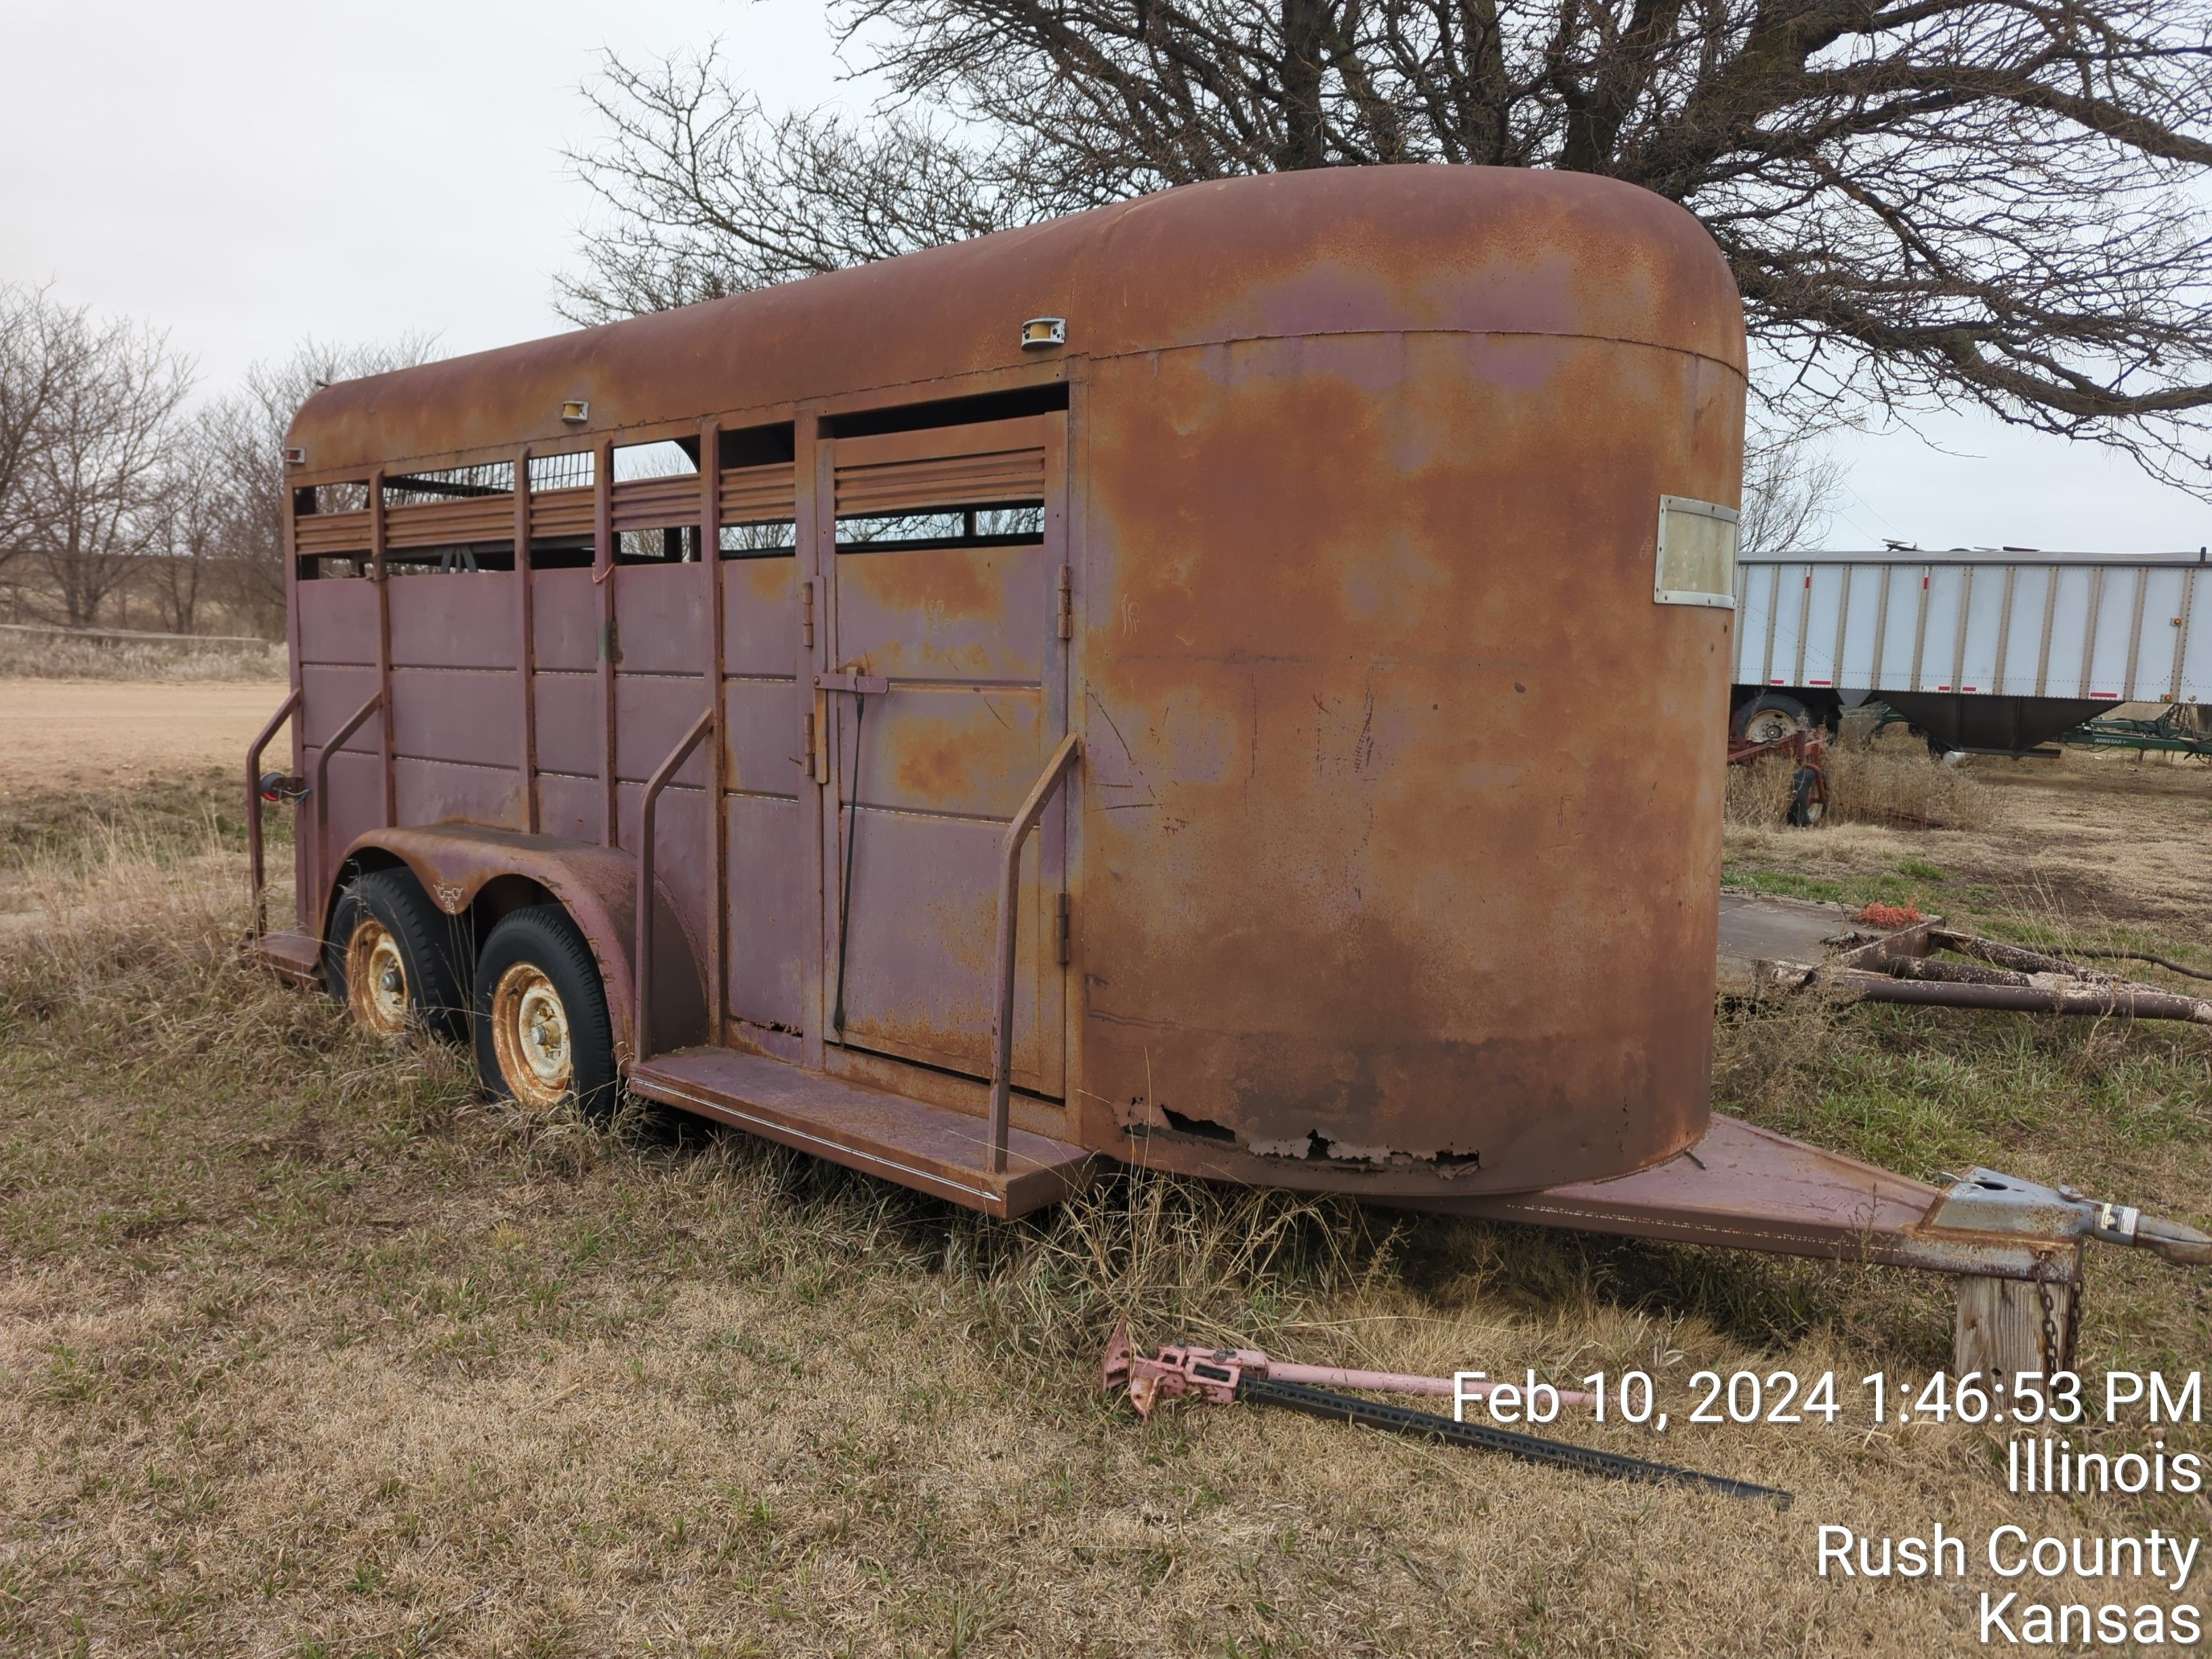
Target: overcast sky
pixel 243 175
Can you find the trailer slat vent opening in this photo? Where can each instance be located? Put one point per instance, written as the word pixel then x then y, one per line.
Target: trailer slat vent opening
pixel 775 538
pixel 492 478
pixel 1004 526
pixel 578 469
pixel 949 411
pixel 759 446
pixel 350 496
pixel 667 458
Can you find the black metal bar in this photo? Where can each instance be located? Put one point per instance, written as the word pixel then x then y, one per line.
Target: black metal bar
pixel 1531 1448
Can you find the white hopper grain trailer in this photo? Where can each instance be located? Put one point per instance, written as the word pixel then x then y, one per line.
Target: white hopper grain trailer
pixel 1981 650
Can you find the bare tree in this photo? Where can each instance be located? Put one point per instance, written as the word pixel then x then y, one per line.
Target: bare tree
pixel 1791 484
pixel 1989 201
pixel 93 481
pixel 177 570
pixel 239 454
pixel 712 195
pixel 41 347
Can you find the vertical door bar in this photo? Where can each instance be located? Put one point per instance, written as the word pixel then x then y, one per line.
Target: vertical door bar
pixel 603 570
pixel 383 573
pixel 718 768
pixel 814 542
pixel 525 654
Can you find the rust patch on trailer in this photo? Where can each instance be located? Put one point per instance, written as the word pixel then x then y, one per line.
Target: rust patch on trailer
pixel 930 582
pixel 766 579
pixel 936 771
pixel 976 757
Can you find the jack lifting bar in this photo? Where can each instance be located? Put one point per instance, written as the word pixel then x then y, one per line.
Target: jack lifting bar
pixel 1225 1375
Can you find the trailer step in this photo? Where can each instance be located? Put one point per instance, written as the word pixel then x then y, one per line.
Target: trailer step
pixel 291 955
pixel 929 1148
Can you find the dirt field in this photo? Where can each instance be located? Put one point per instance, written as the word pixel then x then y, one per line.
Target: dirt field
pixel 305 1351
pixel 57 735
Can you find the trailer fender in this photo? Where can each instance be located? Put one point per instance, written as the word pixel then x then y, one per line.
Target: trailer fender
pixel 598 886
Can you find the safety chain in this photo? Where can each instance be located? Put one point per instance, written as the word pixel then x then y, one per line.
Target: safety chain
pixel 2074 1313
pixel 2050 1321
pixel 2053 1351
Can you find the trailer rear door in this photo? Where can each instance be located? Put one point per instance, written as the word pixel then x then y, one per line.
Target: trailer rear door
pixel 948 571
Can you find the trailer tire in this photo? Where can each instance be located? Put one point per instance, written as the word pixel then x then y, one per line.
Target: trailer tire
pixel 1809 797
pixel 1770 715
pixel 543 1039
pixel 391 961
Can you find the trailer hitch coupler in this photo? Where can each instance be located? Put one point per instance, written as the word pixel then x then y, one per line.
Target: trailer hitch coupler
pixel 2183 1246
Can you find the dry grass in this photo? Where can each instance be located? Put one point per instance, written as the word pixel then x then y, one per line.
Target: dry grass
pixel 305 1351
pixel 1891 779
pixel 59 657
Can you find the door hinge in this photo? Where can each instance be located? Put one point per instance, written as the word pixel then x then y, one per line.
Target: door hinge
pixel 1060 922
pixel 1066 612
pixel 816 763
pixel 806 613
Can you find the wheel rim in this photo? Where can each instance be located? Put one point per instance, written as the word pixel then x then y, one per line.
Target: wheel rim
pixel 376 980
pixel 1768 726
pixel 529 1034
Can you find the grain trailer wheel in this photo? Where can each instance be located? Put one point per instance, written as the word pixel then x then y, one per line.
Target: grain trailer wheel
pixel 390 961
pixel 1770 716
pixel 542 1036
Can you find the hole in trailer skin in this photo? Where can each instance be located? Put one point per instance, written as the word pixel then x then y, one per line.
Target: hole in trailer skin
pixel 1204 1128
pixel 1316 1146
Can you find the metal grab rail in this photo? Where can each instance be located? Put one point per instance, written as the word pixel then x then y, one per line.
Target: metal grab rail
pixel 319 791
pixel 641 1047
pixel 256 878
pixel 1002 1024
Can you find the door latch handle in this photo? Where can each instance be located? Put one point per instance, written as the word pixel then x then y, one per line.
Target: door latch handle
pixel 860 685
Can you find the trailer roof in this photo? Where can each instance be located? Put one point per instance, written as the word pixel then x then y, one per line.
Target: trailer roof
pixel 1339 250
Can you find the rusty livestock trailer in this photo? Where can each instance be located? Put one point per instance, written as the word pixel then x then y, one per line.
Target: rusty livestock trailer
pixel 1096 692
